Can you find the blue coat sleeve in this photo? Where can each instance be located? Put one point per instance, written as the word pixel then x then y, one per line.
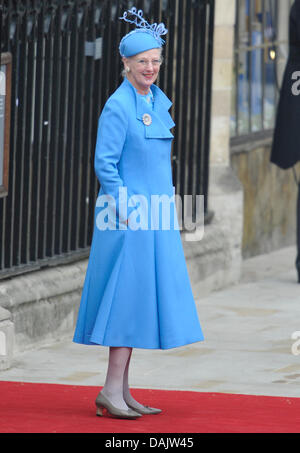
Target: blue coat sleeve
pixel 111 136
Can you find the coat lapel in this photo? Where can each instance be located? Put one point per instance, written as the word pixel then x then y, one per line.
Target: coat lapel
pixel 162 121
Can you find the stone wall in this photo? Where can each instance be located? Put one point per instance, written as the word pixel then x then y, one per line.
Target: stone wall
pixel 39 307
pixel 270 199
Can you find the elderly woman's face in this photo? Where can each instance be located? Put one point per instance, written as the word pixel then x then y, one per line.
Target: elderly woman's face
pixel 144 68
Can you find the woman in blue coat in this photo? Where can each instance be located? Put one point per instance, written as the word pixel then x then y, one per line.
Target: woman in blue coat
pixel 137 292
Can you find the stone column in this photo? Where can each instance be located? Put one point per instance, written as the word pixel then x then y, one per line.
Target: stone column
pixel 225 190
pixel 222 81
pixel 6 339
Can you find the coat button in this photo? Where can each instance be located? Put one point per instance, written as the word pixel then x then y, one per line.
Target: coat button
pixel 147 120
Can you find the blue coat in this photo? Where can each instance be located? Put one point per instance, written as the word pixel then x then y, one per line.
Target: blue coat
pixel 136 291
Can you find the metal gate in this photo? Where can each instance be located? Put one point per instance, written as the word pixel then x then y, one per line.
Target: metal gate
pixel 65 64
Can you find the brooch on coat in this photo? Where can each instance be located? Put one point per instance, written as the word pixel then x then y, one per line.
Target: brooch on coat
pixel 147 120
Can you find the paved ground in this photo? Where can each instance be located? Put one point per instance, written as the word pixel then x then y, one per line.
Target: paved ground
pixel 248 345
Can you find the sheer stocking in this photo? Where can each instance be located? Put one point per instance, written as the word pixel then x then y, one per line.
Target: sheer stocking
pixel 126 392
pixel 113 387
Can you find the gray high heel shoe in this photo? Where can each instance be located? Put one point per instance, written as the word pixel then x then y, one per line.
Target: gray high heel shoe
pixel 145 410
pixel 102 402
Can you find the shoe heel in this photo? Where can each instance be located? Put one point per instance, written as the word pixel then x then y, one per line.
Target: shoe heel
pixel 99 410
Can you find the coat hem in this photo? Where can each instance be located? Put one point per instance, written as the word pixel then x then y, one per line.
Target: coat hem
pixel 134 345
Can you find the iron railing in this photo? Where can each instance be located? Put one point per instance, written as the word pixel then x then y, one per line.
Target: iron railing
pixel 65 64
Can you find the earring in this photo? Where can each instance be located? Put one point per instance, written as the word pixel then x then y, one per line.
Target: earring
pixel 127 69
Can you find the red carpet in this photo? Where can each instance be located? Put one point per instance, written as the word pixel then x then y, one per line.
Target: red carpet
pixel 52 408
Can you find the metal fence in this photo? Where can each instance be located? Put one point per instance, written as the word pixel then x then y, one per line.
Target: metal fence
pixel 65 64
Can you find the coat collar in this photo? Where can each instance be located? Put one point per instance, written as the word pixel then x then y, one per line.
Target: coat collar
pixel 162 121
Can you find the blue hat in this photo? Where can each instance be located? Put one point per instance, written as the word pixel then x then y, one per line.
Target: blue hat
pixel 144 38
